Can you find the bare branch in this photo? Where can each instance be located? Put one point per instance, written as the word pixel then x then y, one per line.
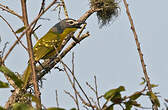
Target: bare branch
pixel 73 74
pixel 31 55
pixel 70 95
pixel 88 13
pixel 65 66
pixel 97 96
pixel 65 9
pixel 90 87
pixel 70 80
pixel 56 92
pixel 13 32
pixel 155 107
pixel 4 48
pixel 7 9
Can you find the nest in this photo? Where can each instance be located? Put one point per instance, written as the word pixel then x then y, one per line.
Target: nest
pixel 108 10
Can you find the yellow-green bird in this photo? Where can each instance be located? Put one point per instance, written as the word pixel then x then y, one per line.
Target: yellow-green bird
pixel 45 47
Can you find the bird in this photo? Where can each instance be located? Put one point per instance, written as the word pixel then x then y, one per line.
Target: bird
pixel 50 43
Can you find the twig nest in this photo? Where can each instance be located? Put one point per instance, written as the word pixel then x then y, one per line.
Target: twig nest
pixel 108 10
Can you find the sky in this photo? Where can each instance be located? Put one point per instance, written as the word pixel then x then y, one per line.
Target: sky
pixel 109 53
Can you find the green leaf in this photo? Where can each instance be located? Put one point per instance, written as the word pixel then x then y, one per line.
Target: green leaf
pixel 129 104
pixel 22 106
pixel 12 75
pixel 154 85
pixel 55 108
pixel 143 82
pixel 135 96
pixel 4 85
pixel 34 98
pixel 113 92
pixel 114 95
pixel 1 108
pixel 20 30
pixel 154 98
pixel 35 36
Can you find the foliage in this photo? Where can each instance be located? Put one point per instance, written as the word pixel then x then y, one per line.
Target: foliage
pixel 12 75
pixel 3 85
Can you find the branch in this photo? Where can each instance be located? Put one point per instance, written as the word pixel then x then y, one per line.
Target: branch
pixel 57 98
pixel 65 69
pixel 97 96
pixel 13 31
pixel 31 55
pixel 155 107
pixel 65 9
pixel 7 9
pixel 88 13
pixel 73 74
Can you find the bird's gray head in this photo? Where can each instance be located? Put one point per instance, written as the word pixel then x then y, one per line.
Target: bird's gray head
pixel 66 23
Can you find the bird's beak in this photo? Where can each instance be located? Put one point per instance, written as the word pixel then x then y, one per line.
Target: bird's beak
pixel 79 23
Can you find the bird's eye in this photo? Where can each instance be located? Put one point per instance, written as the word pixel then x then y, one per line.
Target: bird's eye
pixel 71 22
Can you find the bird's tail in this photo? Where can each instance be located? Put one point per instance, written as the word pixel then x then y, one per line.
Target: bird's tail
pixel 26 75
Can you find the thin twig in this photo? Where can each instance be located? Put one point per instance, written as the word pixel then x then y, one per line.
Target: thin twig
pixel 59 12
pixel 88 13
pixel 13 32
pixel 36 37
pixel 80 32
pixel 73 74
pixel 56 92
pixel 69 78
pixel 94 103
pixel 70 95
pixel 155 107
pixel 65 9
pixel 90 87
pixel 41 10
pixel 97 96
pixel 86 107
pixel 4 48
pixel 105 104
pixel 76 92
pixel 42 6
pixel 7 9
pixel 65 66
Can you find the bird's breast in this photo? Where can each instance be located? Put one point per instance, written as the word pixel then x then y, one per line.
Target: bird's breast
pixel 67 31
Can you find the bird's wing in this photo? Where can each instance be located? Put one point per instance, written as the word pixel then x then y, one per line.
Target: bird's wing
pixel 45 45
pixel 41 52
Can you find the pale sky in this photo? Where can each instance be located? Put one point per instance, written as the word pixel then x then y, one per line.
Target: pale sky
pixel 109 53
